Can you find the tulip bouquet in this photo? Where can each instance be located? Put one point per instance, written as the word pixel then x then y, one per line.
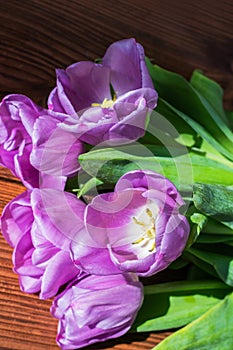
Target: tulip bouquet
pixel 128 172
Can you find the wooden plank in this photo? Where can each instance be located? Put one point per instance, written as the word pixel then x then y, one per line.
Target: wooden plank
pixel 45 35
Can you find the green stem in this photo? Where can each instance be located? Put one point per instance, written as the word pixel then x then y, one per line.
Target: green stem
pixel 182 286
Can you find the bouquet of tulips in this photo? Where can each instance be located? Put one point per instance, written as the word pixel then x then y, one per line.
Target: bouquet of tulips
pixel 128 172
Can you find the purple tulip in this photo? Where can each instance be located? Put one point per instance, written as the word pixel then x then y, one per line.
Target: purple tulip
pixel 84 92
pixel 54 154
pixel 55 151
pixel 96 308
pixel 17 116
pixel 40 257
pixel 137 228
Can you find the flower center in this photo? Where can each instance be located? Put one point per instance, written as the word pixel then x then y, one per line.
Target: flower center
pixel 105 104
pixel 147 224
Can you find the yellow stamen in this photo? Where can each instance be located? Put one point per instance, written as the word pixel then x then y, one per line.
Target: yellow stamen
pixel 152 247
pixel 138 222
pixel 150 234
pixel 139 240
pixel 105 104
pixel 149 212
pixel 147 239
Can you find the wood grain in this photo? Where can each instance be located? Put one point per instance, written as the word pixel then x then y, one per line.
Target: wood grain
pixel 38 36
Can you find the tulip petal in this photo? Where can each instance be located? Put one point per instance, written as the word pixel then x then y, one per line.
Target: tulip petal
pixel 126 61
pixel 58 215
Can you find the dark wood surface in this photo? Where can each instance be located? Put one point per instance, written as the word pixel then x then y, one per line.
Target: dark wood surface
pixel 38 36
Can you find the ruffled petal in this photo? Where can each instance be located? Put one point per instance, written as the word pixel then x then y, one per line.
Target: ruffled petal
pixel 96 308
pixel 55 151
pixel 16 218
pixel 126 61
pixel 59 271
pixel 58 215
pixel 82 84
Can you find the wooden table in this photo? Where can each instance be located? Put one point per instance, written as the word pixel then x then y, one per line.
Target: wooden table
pixel 39 35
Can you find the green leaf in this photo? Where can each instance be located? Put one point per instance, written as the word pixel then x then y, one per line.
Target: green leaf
pixel 172 113
pixel 178 264
pixel 210 90
pixel 181 95
pixel 207 238
pixel 212 330
pixel 88 186
pixel 174 304
pixel 213 262
pixel 229 115
pixel 109 164
pixel 197 222
pixel 215 201
pixel 214 227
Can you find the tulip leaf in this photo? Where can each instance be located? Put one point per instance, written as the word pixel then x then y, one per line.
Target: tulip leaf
pixel 218 261
pixel 229 115
pixel 197 222
pixel 109 164
pixel 214 227
pixel 183 97
pixel 210 90
pixel 217 238
pixel 172 113
pixel 92 183
pixel 175 304
pixel 215 201
pixel 212 330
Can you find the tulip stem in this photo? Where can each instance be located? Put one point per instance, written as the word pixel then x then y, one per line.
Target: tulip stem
pixel 182 286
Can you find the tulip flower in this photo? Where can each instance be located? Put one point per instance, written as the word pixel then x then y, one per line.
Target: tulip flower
pixel 30 143
pixel 96 308
pixel 17 116
pixel 39 257
pixel 137 228
pixel 107 101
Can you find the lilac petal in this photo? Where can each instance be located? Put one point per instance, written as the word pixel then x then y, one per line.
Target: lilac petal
pixel 91 125
pixel 50 181
pixel 18 115
pixel 149 180
pixel 146 78
pixel 23 168
pixel 96 308
pixel 164 202
pixel 171 237
pixel 29 284
pixel 16 218
pixel 12 133
pixel 44 250
pixel 93 260
pixel 55 152
pixel 126 61
pixel 54 103
pixel 82 84
pixel 146 97
pixel 7 159
pixel 53 279
pixel 127 261
pixel 171 241
pixel 132 114
pixel 59 216
pixel 139 223
pixel 21 108
pixel 107 316
pixel 109 217
pixel 12 137
pixel 22 258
